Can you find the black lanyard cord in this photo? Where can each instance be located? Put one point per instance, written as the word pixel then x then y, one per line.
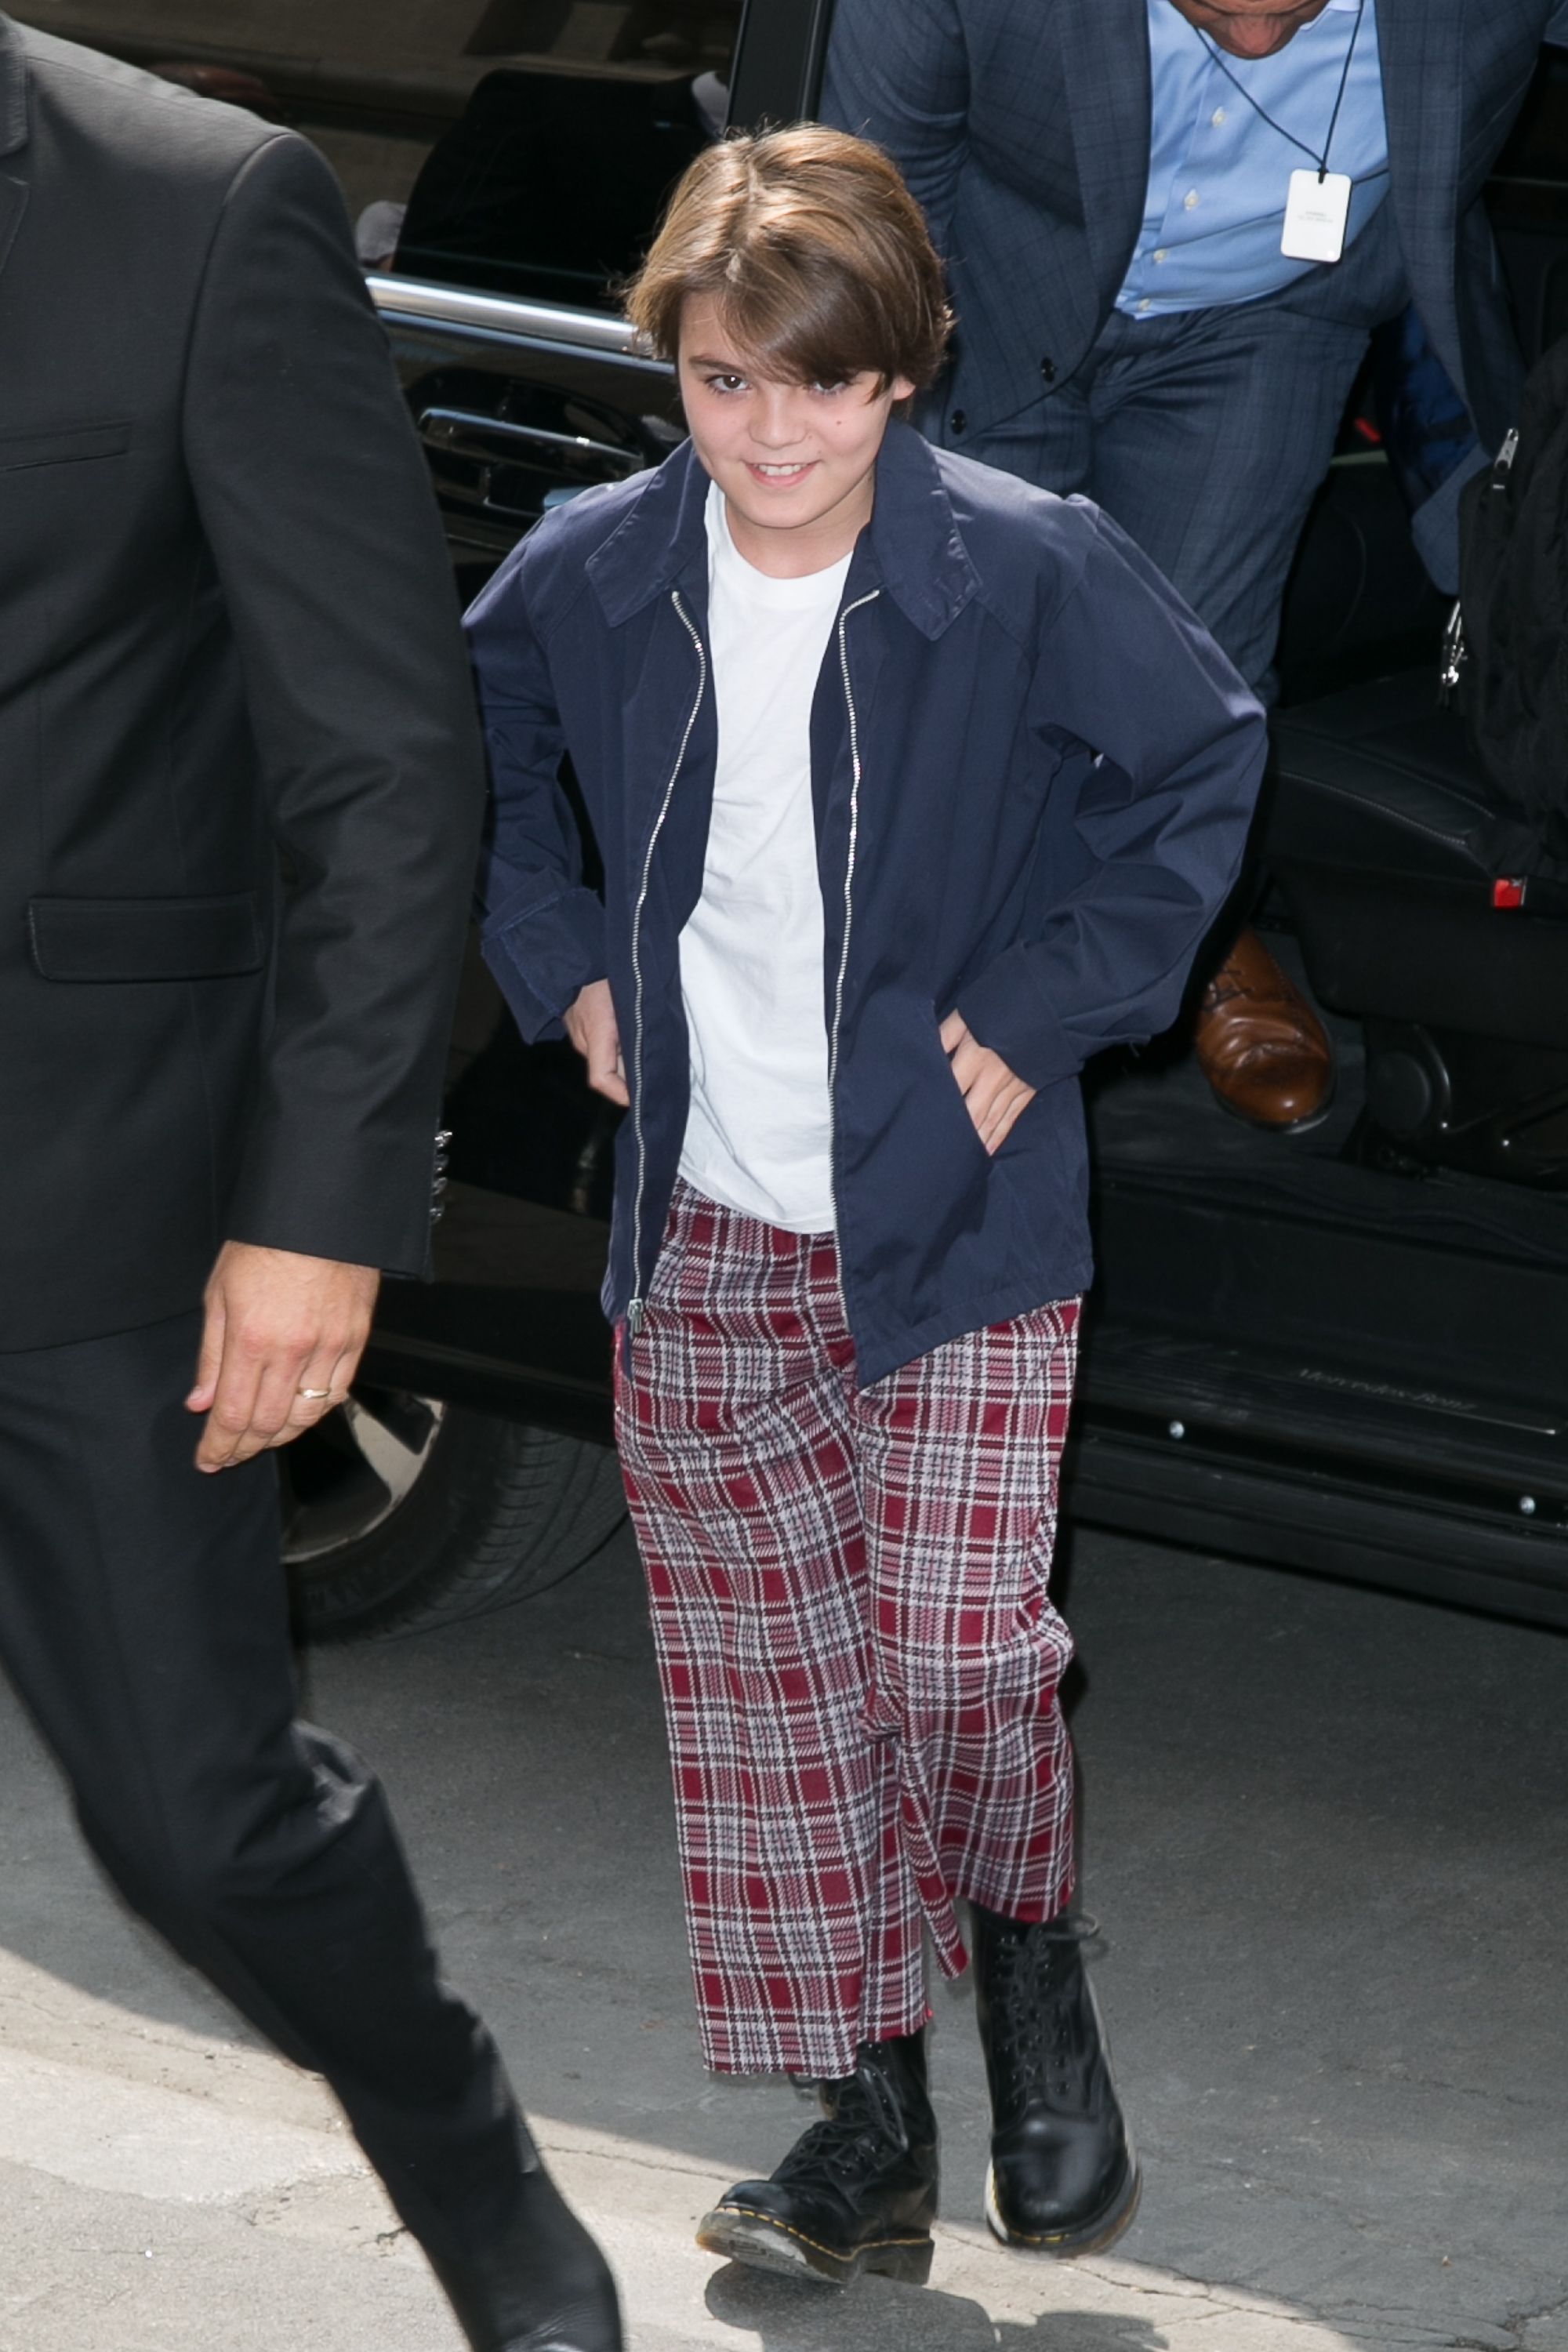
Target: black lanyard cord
pixel 1322 160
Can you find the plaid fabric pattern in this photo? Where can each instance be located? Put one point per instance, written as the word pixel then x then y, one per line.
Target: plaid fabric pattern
pixel 859 1655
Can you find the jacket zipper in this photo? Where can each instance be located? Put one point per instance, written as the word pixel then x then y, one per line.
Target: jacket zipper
pixel 636 1304
pixel 849 916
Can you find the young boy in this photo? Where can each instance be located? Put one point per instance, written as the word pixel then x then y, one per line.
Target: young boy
pixel 914 787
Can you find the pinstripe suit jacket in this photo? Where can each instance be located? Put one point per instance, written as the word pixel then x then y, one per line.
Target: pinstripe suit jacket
pixel 1023 126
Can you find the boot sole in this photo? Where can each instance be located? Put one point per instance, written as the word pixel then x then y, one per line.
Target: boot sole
pixel 1091 2236
pixel 739 2235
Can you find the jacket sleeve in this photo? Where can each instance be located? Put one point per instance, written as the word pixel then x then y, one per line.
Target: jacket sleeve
pixel 543 930
pixel 1557 30
pixel 898 72
pixel 1149 831
pixel 323 533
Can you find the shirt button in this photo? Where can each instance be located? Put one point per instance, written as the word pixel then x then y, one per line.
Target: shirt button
pixel 1162 255
pixel 1048 370
pixel 1217 117
pixel 1146 304
pixel 959 421
pixel 1189 202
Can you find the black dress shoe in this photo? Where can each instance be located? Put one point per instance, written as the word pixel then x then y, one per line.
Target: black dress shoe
pixel 855 2193
pixel 1063 2179
pixel 543 2286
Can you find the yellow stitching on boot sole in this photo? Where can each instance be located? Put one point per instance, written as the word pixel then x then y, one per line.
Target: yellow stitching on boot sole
pixel 1112 2212
pixel 749 2214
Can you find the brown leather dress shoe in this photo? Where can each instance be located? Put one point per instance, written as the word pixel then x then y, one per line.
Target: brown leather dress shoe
pixel 1260 1044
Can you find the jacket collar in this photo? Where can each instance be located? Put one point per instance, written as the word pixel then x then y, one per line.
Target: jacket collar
pixel 657 544
pixel 13 89
pixel 914 548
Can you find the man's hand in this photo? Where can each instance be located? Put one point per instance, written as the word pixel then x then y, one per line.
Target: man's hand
pixel 276 1325
pixel 591 1025
pixel 995 1096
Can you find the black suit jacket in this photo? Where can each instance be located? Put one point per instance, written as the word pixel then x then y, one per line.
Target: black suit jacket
pixel 229 653
pixel 1024 128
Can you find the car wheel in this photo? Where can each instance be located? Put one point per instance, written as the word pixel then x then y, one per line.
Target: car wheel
pixel 401 1513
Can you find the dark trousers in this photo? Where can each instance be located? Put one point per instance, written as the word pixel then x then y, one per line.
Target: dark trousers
pixel 144 1620
pixel 1205 436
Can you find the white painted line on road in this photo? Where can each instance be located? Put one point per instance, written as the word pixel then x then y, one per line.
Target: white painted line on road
pixel 135 2138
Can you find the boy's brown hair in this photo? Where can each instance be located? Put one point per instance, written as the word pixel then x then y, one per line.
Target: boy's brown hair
pixel 814 252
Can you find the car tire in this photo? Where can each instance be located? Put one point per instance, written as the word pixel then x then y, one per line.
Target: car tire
pixel 401 1513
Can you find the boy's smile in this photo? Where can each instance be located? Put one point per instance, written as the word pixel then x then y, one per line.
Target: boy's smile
pixel 796 461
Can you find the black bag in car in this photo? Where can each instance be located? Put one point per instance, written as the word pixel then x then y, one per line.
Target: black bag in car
pixel 1508 644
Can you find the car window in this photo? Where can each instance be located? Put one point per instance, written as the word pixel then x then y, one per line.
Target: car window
pixel 523 146
pixel 551 186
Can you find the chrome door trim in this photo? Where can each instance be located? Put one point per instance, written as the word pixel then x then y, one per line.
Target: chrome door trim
pixel 420 304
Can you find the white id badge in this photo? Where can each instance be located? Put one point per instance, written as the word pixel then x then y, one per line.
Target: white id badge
pixel 1316 216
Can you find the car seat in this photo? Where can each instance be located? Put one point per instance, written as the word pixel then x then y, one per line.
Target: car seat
pixel 1429 911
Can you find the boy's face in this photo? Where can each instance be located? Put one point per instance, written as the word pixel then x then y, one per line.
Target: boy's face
pixel 796 461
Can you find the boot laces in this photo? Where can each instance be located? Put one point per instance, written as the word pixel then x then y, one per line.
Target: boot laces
pixel 1031 1999
pixel 863 2127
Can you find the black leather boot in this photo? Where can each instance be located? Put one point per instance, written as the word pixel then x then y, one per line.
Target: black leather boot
pixel 543 2285
pixel 1063 2180
pixel 855 2193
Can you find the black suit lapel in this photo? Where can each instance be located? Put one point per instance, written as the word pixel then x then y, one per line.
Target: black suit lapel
pixel 13 89
pixel 1105 52
pixel 14 128
pixel 13 204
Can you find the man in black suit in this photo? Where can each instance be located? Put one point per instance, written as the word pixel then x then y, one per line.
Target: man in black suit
pixel 228 634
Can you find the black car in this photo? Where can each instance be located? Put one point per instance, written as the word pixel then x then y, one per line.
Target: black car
pixel 1343 1350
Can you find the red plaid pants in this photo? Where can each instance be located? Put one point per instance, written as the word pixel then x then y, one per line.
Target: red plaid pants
pixel 858 1657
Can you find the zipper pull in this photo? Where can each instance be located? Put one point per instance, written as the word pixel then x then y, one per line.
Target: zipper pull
pixel 633 1319
pixel 1505 458
pixel 1456 654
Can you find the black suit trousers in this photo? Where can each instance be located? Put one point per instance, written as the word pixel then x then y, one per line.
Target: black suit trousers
pixel 143 1619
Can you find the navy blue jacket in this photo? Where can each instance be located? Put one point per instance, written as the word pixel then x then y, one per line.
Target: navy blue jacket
pixel 1032 772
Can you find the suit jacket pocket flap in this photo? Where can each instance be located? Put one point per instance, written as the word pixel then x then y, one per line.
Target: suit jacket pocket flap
pixel 63 446
pixel 146 939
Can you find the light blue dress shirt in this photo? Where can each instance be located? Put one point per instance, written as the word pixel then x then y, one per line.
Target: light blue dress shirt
pixel 1218 176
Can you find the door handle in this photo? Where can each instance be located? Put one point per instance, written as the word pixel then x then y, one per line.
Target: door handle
pixel 468 432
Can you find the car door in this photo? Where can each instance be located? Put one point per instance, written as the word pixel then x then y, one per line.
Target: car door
pixel 472 1464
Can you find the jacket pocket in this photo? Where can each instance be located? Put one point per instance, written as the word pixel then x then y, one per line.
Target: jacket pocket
pixel 953 1107
pixel 68 445
pixel 146 939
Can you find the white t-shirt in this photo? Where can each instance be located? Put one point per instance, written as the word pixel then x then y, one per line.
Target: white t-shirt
pixel 759 1135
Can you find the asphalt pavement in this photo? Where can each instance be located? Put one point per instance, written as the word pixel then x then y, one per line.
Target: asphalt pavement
pixel 1325 1836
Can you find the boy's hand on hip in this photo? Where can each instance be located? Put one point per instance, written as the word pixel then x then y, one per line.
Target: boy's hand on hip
pixel 592 1027
pixel 996 1097
pixel 282 1341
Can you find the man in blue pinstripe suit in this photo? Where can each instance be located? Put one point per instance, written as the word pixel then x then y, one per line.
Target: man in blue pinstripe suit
pixel 1108 181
